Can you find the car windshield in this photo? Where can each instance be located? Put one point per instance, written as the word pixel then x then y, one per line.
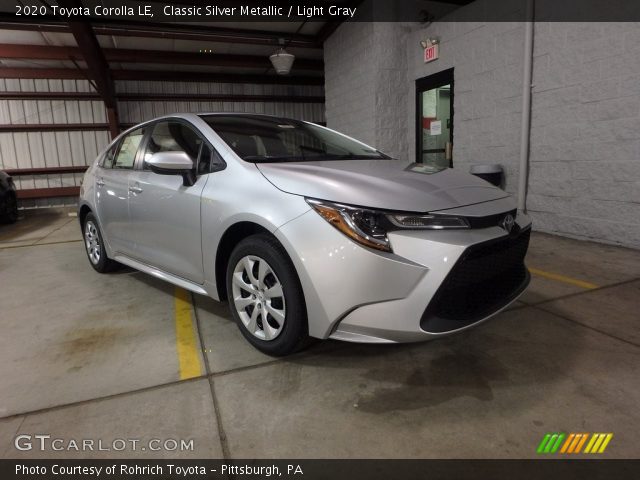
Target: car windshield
pixel 271 139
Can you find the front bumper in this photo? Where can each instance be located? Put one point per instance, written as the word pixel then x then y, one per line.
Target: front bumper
pixel 434 283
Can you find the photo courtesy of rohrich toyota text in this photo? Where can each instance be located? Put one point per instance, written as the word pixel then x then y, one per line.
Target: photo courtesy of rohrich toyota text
pixel 319 239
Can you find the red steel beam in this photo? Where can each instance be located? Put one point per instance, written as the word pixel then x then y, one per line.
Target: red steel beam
pixel 49 96
pixel 138 97
pixel 194 32
pixel 163 76
pixel 54 127
pixel 31 193
pixel 52 73
pixel 47 52
pixel 182 76
pixel 16 172
pixel 141 97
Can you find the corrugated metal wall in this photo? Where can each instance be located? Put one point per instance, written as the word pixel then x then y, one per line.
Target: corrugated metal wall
pixel 135 112
pixel 49 149
pixel 76 148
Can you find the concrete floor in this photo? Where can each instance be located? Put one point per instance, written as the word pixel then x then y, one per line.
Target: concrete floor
pixel 84 355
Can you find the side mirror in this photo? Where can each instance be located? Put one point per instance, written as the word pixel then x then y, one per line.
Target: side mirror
pixel 173 163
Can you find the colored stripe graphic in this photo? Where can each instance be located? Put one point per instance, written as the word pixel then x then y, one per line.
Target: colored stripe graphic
pixel 598 442
pixel 581 443
pixel 572 443
pixel 567 443
pixel 605 443
pixel 543 443
pixel 556 445
pixel 550 443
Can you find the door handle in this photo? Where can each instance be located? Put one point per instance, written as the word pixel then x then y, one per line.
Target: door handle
pixel 100 183
pixel 135 189
pixel 448 151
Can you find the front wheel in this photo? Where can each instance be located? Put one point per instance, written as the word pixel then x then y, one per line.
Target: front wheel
pixel 265 296
pixel 94 246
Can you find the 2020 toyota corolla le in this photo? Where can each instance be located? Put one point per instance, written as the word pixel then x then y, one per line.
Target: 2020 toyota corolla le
pixel 306 232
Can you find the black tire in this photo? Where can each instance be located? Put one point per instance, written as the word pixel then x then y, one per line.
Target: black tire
pixel 293 335
pixel 11 209
pixel 100 263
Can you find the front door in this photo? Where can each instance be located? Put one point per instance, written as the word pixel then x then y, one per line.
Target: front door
pixel 434 119
pixel 112 192
pixel 165 214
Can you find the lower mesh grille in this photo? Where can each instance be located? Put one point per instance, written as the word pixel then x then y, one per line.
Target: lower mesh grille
pixel 486 277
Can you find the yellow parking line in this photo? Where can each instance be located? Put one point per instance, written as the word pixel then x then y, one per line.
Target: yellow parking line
pixel 563 279
pixel 186 339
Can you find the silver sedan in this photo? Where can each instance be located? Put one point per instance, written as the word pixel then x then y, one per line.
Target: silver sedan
pixel 305 231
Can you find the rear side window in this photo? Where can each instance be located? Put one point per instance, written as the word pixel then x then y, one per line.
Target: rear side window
pixel 109 156
pixel 122 154
pixel 173 137
pixel 126 155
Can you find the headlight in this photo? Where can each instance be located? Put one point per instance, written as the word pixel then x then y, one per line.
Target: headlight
pixel 362 225
pixel 429 222
pixel 369 227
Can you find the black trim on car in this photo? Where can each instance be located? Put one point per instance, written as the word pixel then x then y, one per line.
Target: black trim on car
pixel 486 278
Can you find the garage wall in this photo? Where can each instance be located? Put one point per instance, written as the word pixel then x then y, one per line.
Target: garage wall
pixel 487 62
pixel 365 81
pixel 350 70
pixel 49 149
pixel 78 148
pixel 585 135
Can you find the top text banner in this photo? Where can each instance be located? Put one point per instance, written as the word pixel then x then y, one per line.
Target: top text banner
pixel 421 11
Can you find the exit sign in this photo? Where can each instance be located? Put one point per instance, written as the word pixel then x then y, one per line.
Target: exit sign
pixel 431 53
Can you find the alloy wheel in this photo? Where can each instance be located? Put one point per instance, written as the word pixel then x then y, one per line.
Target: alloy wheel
pixel 92 242
pixel 258 297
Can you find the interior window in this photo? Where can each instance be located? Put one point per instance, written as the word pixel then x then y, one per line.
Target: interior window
pixel 271 139
pixel 173 137
pixel 128 148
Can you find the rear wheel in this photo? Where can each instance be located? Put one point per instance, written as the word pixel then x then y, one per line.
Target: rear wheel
pixel 265 296
pixel 94 245
pixel 10 214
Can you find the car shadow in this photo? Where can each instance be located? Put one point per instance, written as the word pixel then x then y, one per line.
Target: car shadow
pixel 522 348
pixel 486 364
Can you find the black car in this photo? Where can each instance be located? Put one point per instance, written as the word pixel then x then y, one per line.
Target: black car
pixel 8 199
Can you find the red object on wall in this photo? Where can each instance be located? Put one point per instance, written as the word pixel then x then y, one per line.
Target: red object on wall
pixel 426 122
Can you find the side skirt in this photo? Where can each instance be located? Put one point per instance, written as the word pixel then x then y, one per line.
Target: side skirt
pixel 162 275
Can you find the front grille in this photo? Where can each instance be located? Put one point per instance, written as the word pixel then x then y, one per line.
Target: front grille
pixel 490 220
pixel 485 278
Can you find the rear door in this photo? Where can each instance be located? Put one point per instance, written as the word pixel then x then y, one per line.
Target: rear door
pixel 165 214
pixel 112 191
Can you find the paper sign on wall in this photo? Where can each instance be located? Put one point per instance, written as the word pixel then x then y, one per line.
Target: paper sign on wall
pixel 436 127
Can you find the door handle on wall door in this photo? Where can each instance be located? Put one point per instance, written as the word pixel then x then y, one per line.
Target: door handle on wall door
pixel 448 151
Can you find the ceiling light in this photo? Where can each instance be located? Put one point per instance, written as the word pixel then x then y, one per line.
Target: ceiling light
pixel 282 61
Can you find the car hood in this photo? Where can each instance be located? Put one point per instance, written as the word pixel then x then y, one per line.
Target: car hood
pixel 382 184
